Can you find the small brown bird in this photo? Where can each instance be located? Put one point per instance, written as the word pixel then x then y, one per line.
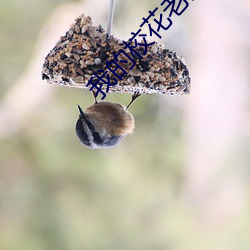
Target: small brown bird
pixel 104 124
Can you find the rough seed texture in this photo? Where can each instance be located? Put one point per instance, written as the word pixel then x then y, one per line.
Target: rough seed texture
pixel 85 49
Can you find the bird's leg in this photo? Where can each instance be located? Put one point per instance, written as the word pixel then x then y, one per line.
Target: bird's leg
pixel 134 97
pixel 94 94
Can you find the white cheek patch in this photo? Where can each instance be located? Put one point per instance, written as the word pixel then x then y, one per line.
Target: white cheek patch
pixel 89 133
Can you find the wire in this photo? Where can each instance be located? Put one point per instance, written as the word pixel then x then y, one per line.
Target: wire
pixel 110 16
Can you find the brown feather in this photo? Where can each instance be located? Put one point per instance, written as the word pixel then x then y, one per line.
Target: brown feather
pixel 111 117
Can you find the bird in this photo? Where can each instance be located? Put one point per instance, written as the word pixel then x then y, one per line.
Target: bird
pixel 104 124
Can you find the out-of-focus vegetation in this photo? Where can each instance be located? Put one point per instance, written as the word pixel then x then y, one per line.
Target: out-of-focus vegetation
pixel 20 24
pixel 57 194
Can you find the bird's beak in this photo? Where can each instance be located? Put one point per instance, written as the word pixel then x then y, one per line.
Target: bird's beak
pixel 82 115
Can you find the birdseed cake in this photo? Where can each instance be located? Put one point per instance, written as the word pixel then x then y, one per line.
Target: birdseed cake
pixel 84 51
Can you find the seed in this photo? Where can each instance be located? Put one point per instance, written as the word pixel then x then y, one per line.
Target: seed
pixel 90 72
pixel 98 61
pixel 64 43
pixel 144 78
pixel 87 76
pixel 77 29
pixel 77 57
pixel 152 69
pixel 68 54
pixel 78 70
pixel 61 62
pixel 150 74
pixel 120 42
pixel 131 80
pixel 77 79
pixel 88 62
pixel 135 72
pixel 84 28
pixel 85 46
pixel 154 49
pixel 69 60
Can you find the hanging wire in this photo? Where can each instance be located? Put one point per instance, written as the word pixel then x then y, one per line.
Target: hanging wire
pixel 110 15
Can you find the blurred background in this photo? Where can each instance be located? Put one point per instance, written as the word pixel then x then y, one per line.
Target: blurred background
pixel 180 182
